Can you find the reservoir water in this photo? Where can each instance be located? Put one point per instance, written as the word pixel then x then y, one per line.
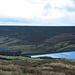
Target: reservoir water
pixel 67 55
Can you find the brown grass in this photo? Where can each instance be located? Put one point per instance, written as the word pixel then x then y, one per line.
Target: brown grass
pixel 37 67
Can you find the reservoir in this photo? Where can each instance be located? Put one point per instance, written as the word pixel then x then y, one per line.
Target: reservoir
pixel 67 55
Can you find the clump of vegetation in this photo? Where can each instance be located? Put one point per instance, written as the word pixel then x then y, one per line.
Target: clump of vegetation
pixel 45 57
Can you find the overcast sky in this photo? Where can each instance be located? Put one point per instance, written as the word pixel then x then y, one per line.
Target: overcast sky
pixel 37 12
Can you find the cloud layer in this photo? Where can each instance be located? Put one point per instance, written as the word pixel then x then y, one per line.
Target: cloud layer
pixel 37 12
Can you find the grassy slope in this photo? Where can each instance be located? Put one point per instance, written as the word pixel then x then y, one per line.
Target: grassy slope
pixel 38 39
pixel 37 67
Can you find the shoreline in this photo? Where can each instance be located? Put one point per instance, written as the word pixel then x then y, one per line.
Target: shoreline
pixel 46 53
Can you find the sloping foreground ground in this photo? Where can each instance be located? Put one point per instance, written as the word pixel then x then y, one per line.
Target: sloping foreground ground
pixel 37 67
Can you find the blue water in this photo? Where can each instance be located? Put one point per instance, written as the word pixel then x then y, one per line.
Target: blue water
pixel 67 55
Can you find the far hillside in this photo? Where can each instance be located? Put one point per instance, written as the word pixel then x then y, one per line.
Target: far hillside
pixel 38 39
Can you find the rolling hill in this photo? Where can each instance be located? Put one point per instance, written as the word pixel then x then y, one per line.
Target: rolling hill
pixel 38 39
